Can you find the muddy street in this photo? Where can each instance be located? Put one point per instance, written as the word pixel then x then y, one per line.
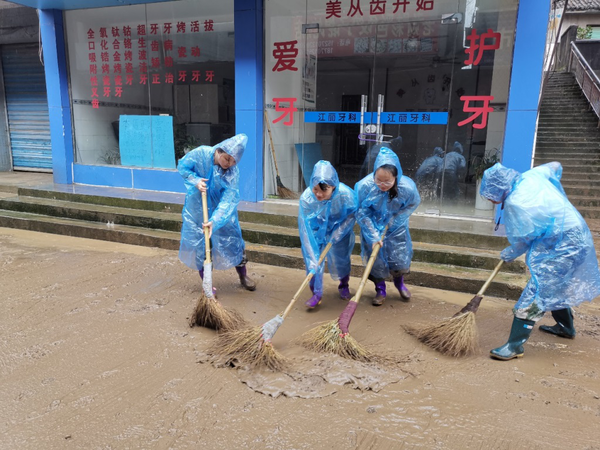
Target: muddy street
pixel 96 353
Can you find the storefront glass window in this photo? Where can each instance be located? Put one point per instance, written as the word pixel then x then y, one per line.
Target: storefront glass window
pixel 150 82
pixel 429 79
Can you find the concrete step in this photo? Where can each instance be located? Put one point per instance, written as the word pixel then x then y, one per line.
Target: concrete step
pixel 584 190
pixel 430 245
pixel 541 158
pixel 584 201
pixel 442 276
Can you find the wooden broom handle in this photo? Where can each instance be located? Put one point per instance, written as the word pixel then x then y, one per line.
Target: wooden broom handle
pixel 489 280
pixel 306 281
pixel 368 268
pixel 206 232
pixel 271 141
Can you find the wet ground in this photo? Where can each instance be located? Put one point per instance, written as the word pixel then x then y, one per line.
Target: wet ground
pixel 96 353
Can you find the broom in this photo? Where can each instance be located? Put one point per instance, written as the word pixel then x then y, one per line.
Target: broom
pixel 456 336
pixel 282 191
pixel 333 336
pixel 209 312
pixel 252 345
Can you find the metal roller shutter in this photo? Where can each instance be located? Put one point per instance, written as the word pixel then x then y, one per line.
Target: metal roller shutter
pixel 27 108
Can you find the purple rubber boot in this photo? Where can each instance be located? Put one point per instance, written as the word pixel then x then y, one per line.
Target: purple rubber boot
pixel 380 290
pixel 399 283
pixel 344 288
pixel 313 302
pixel 246 281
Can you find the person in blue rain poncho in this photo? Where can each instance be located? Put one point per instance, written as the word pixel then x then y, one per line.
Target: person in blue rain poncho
pixel 326 214
pixel 542 223
pixel 429 174
pixel 387 197
pixel 215 171
pixel 455 169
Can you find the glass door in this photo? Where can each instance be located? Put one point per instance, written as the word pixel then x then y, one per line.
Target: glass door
pixel 378 85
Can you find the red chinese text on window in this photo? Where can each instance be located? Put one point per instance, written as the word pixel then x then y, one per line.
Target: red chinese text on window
pixel 118 91
pixel 94 81
pixel 141 30
pixel 104 45
pixel 168 61
pixel 153 28
pixel 128 68
pixel 155 63
pixel 94 92
pixel 141 43
pixel 398 3
pixel 143 78
pixel 93 68
pixel 209 75
pixel 118 80
pixel 168 44
pixel 143 67
pixel 181 75
pixel 115 32
pixel 91 45
pixel 106 80
pixel 195 51
pixel 95 104
pixel 425 5
pixel 142 55
pixel 154 46
pixel 285 53
pixel 333 8
pixel 478 43
pixel 209 25
pixel 377 7
pixel 181 27
pixel 289 110
pixel 116 44
pixel 195 26
pixel 129 80
pixel 103 33
pixel 156 78
pixel 354 8
pixel 127 31
pixel 90 34
pixel 117 68
pixel 92 57
pixel 128 55
pixel 167 28
pixel 182 52
pixel 106 92
pixel 105 68
pixel 127 43
pixel 477 111
pixel 169 78
pixel 104 57
pixel 116 56
pixel 195 75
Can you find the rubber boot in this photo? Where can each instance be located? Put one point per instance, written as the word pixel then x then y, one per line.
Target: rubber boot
pixel 519 333
pixel 380 291
pixel 344 288
pixel 246 281
pixel 564 324
pixel 201 272
pixel 399 283
pixel 313 302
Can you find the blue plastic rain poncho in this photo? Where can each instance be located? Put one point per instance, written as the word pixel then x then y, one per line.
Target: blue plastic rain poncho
pixel 541 221
pixel 429 174
pixel 376 210
pixel 455 167
pixel 332 220
pixel 223 197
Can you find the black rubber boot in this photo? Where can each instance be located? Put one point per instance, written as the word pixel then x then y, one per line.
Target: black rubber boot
pixel 564 324
pixel 246 281
pixel 519 333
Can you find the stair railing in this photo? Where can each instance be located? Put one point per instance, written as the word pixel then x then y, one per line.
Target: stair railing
pixel 586 78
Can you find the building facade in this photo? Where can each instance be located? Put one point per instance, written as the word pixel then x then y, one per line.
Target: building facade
pixel 450 85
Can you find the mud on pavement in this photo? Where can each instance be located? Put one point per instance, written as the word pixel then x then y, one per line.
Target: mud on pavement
pixel 96 353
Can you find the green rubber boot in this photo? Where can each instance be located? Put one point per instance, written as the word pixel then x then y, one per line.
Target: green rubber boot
pixel 564 324
pixel 519 333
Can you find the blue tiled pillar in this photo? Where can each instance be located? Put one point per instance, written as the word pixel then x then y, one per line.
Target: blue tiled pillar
pixel 57 86
pixel 248 16
pixel 525 83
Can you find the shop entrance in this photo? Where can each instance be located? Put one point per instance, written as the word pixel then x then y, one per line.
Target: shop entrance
pixel 388 85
